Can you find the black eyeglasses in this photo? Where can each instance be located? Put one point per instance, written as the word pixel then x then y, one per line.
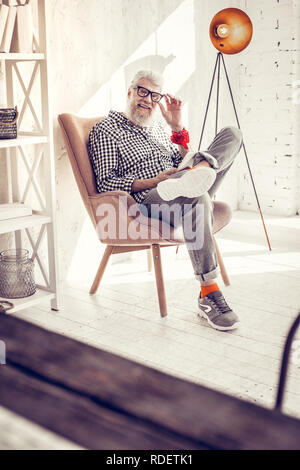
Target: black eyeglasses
pixel 143 92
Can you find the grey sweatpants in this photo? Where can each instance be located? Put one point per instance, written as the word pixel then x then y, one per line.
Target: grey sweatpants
pixel 195 215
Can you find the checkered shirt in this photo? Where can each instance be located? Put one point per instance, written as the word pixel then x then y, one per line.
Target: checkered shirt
pixel 121 152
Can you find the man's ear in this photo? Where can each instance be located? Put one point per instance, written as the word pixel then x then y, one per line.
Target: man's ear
pixel 129 93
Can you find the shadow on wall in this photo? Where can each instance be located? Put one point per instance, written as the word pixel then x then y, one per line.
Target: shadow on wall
pixel 151 62
pixel 116 30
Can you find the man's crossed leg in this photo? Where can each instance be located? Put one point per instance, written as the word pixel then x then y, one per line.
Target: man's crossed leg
pixel 195 215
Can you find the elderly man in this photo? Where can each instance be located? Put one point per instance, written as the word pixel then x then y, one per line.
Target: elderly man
pixel 130 151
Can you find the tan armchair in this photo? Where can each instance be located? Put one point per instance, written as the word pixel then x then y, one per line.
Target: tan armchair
pixel 76 132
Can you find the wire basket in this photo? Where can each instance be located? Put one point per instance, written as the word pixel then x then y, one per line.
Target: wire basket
pixel 8 123
pixel 16 274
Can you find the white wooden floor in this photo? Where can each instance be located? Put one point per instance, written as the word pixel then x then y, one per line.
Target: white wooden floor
pixel 265 293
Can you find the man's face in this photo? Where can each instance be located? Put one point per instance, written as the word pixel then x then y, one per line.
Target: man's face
pixel 141 110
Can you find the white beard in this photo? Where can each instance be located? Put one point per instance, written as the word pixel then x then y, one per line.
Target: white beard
pixel 138 118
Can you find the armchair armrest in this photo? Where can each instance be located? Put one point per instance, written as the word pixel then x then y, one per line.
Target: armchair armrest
pixel 112 193
pixel 124 204
pixel 114 197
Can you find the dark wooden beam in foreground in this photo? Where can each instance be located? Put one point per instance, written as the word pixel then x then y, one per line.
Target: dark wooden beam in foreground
pixel 103 401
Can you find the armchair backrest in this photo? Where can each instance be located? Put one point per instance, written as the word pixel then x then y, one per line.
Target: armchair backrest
pixel 76 133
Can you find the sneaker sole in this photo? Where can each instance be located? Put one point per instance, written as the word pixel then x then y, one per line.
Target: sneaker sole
pixel 202 314
pixel 192 184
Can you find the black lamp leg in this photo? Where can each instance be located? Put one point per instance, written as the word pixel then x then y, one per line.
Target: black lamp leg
pixel 218 93
pixel 245 152
pixel 209 98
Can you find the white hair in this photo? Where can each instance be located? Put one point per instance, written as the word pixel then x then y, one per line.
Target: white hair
pixel 153 77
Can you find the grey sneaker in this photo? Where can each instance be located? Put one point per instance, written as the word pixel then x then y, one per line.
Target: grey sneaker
pixel 214 309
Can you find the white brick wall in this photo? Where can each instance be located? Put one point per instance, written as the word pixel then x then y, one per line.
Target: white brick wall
pixel 268 70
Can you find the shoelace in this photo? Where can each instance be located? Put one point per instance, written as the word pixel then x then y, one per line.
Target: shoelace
pixel 219 302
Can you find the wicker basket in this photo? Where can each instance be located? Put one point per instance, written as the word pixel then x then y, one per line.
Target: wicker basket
pixel 8 123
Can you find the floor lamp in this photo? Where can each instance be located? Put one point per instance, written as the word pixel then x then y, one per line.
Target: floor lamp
pixel 230 32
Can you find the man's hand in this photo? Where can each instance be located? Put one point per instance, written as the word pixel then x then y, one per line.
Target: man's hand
pixel 164 175
pixel 172 112
pixel 172 115
pixel 141 185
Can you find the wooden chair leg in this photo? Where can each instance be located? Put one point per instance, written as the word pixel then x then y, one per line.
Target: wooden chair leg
pixel 159 280
pixel 101 269
pixel 222 265
pixel 149 258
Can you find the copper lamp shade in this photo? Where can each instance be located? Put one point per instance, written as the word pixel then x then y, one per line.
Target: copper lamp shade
pixel 231 30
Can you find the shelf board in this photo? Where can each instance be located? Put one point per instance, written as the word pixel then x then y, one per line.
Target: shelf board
pixel 20 223
pixel 20 304
pixel 23 140
pixel 19 56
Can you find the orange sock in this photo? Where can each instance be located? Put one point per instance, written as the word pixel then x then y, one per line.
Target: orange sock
pixel 205 290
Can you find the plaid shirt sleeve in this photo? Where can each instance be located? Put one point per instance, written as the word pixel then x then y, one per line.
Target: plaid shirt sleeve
pixel 176 157
pixel 172 148
pixel 103 153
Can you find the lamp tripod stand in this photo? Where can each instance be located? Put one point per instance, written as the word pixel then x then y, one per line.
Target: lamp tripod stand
pixel 217 69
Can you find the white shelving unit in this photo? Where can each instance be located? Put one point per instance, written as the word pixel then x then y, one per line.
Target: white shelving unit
pixel 23 140
pixel 40 151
